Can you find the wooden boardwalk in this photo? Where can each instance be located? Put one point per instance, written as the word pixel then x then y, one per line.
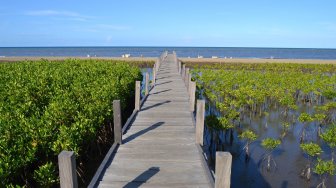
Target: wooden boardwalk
pixel 159 148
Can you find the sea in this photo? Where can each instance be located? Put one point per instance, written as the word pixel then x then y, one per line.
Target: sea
pixel 192 52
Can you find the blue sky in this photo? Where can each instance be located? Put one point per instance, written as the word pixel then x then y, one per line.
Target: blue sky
pixel 224 23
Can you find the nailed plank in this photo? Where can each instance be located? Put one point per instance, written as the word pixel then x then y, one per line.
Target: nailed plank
pixel 151 185
pixel 159 147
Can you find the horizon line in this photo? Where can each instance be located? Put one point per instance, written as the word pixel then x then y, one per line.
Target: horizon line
pixel 127 46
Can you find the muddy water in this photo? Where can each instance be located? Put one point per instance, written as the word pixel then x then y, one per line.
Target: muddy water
pixel 289 158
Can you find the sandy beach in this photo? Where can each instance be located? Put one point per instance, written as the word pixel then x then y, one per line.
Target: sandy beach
pixel 35 58
pixel 243 60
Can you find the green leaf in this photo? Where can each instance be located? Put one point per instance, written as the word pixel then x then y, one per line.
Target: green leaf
pixel 311 149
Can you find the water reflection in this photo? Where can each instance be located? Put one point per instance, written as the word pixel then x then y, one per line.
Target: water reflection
pixel 290 160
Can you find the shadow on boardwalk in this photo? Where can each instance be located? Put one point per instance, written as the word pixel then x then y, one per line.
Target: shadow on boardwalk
pixel 164 83
pixel 143 177
pixel 155 105
pixel 135 135
pixel 161 91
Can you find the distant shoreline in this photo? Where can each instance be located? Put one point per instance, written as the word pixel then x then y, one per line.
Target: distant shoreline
pixel 183 59
pixel 256 60
pixel 52 58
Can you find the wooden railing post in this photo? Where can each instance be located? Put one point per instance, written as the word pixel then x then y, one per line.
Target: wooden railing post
pixel 200 113
pixel 146 83
pixel 189 81
pixel 158 62
pixel 137 95
pixel 186 79
pixel 223 169
pixel 117 122
pixel 67 169
pixel 179 67
pixel 153 76
pixel 192 96
pixel 183 71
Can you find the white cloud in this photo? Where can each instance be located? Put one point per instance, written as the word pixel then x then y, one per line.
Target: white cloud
pixel 63 14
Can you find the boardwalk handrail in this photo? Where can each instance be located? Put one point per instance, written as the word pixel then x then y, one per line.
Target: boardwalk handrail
pixel 115 146
pixel 220 179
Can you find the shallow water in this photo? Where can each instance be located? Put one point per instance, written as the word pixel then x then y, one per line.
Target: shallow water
pixel 289 158
pixel 207 52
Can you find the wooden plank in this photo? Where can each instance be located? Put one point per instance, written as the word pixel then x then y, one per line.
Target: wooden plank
pixel 158 177
pixel 137 95
pixel 147 83
pixel 102 166
pixel 67 169
pixel 200 113
pixel 127 184
pixel 192 95
pixel 159 147
pixel 223 169
pixel 117 122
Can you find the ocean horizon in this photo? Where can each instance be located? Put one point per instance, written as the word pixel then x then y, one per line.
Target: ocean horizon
pixel 192 52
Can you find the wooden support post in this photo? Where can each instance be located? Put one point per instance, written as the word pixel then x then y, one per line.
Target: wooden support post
pixel 200 113
pixel 67 169
pixel 192 96
pixel 153 76
pixel 183 71
pixel 117 122
pixel 179 67
pixel 186 79
pixel 137 95
pixel 146 83
pixel 189 81
pixel 157 66
pixel 223 169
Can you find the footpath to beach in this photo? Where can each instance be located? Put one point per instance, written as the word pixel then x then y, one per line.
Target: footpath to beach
pixel 159 149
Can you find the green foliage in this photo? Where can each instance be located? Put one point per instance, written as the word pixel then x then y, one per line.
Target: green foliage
pixel 47 107
pixel 329 136
pixel 285 125
pixel 311 149
pixel 239 88
pixel 45 175
pixel 304 117
pixel 212 122
pixel 325 167
pixel 329 94
pixel 319 117
pixel 248 135
pixel 270 143
pixel 243 91
pixel 225 123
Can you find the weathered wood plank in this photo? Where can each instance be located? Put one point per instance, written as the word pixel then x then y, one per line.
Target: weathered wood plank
pixel 223 169
pixel 67 169
pixel 127 184
pixel 159 147
pixel 117 121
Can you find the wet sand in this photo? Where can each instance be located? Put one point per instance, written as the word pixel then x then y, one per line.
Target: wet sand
pixel 242 60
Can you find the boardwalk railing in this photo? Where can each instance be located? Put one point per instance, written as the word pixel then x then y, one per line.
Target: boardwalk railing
pixel 67 160
pixel 223 159
pixel 221 179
